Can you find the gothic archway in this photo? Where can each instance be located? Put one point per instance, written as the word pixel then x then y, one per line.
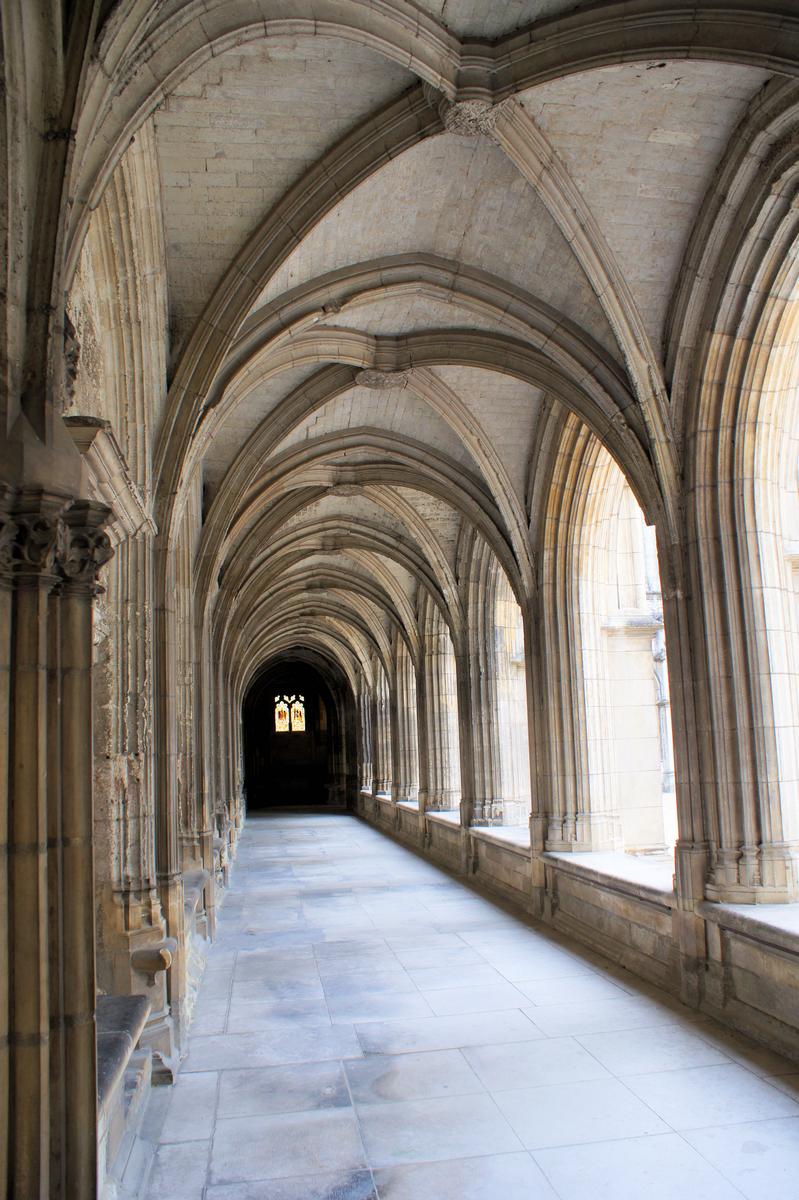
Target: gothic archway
pixel 295 738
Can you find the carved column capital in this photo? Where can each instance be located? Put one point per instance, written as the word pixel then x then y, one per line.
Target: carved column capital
pixel 8 537
pixel 29 538
pixel 84 546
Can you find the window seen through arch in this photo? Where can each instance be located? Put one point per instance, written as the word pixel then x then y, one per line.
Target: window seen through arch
pixel 297 715
pixel 289 714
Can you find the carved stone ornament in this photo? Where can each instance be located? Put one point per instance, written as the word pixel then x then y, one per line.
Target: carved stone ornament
pixel 8 536
pixel 619 424
pixel 71 359
pixel 34 547
pixel 471 118
pixel 466 118
pixel 30 527
pixel 84 546
pixel 382 379
pixel 343 489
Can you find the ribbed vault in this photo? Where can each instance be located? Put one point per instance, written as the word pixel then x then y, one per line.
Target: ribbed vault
pixel 402 315
pixel 378 378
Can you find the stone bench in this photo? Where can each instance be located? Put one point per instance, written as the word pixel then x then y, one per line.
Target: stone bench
pixel 123 1078
pixel 120 1022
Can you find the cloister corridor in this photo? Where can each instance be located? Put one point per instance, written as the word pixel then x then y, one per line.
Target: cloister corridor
pixel 370 1027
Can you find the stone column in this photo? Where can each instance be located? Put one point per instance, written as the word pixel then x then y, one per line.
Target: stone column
pixel 205 783
pixel 85 549
pixel 238 762
pixel 411 718
pixel 510 665
pixel 453 710
pixel 395 739
pixel 443 715
pixel 384 726
pixel 374 733
pixel 479 587
pixel 692 757
pixel 485 704
pixel 223 806
pixel 8 532
pixel 381 734
pixel 55 888
pixel 52 554
pixel 366 722
pixel 406 785
pixel 36 529
pixel 364 738
pixel 431 716
pixel 184 683
pixel 137 802
pixel 131 933
pixel 466 724
pixel 168 874
pixel 231 764
pixel 422 728
pixel 532 671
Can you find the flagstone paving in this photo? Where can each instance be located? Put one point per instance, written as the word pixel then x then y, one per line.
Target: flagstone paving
pixel 369 1028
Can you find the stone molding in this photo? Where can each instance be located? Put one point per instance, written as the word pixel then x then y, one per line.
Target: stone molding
pixel 110 478
pixel 43 538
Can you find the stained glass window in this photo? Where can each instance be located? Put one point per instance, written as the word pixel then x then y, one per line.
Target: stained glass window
pixel 281 715
pixel 298 714
pixel 289 714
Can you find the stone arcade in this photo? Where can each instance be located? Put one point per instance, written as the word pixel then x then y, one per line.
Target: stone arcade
pixel 400 419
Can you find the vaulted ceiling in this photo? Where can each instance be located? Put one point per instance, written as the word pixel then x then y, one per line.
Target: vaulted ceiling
pixel 387 278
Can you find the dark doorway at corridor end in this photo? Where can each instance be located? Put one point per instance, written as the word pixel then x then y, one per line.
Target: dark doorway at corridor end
pixel 295 742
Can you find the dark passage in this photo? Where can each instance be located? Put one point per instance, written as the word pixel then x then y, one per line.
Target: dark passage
pixel 290 737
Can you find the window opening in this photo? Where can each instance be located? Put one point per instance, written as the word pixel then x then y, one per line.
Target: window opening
pixel 290 714
pixel 297 715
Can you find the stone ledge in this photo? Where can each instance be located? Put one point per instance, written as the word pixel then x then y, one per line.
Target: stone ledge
pixel 515 838
pixel 450 816
pixel 120 1023
pixel 645 880
pixel 776 924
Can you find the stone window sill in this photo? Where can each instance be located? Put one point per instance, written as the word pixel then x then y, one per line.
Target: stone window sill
pixel 412 804
pixel 649 879
pixel 451 817
pixel 513 837
pixel 774 923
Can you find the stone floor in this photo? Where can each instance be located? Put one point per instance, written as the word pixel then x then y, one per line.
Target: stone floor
pixel 369 1027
